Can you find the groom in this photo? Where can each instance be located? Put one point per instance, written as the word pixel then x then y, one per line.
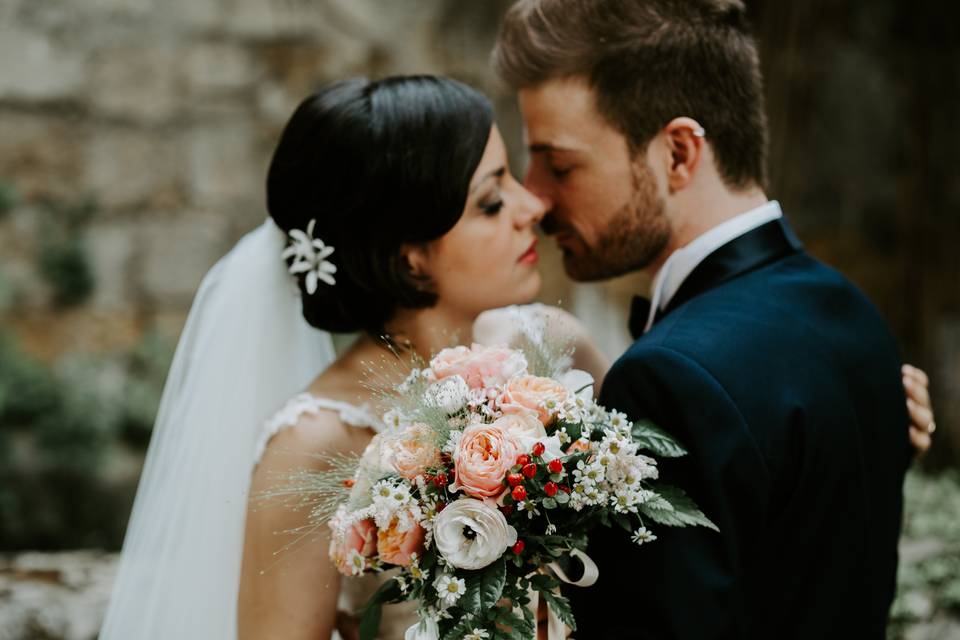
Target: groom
pixel 647 135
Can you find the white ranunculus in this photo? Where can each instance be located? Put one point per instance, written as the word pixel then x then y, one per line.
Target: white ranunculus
pixel 425 629
pixel 490 537
pixel 578 382
pixel 449 394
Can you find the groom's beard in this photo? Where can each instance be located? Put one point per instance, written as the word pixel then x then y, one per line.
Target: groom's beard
pixel 635 236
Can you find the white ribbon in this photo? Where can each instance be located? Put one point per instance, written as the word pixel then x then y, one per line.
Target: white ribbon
pixel 556 629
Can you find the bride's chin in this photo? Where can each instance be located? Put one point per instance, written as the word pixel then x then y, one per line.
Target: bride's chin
pixel 529 289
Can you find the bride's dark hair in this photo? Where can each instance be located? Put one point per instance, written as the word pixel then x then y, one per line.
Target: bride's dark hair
pixel 377 164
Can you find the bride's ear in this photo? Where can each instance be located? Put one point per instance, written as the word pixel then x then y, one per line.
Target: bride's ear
pixel 414 257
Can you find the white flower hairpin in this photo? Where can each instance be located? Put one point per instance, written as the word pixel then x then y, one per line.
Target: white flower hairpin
pixel 310 256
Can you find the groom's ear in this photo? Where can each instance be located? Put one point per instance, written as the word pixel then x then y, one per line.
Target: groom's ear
pixel 685 140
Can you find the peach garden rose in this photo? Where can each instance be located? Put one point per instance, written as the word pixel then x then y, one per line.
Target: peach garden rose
pixel 542 396
pixel 396 547
pixel 359 538
pixel 413 451
pixel 484 455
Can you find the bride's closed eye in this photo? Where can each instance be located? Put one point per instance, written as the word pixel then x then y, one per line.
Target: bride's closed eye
pixel 491 206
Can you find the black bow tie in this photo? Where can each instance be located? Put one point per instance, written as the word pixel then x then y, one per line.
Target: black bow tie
pixel 639 311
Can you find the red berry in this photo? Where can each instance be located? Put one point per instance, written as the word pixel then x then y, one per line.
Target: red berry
pixel 506 510
pixel 538 449
pixel 514 479
pixel 555 466
pixel 551 489
pixel 440 480
pixel 518 547
pixel 529 469
pixel 564 488
pixel 519 493
pixel 523 459
pixel 441 506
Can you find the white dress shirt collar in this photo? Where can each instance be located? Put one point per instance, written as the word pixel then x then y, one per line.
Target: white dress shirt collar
pixel 683 261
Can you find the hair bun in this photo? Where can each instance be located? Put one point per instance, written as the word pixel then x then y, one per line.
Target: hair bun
pixel 376 165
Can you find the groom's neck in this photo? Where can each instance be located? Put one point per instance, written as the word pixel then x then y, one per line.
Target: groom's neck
pixel 697 210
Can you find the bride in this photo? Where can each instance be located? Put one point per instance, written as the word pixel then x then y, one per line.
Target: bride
pixel 392 213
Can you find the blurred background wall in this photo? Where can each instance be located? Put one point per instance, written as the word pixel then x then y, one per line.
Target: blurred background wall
pixel 134 140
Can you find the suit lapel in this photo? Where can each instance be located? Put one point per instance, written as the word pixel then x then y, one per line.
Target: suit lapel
pixel 754 249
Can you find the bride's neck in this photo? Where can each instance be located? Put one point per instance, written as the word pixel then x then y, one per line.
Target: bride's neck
pixel 427 331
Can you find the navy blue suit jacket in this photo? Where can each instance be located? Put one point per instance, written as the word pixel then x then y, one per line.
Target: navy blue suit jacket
pixel 783 382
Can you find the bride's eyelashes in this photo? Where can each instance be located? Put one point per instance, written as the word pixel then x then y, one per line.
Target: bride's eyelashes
pixel 492 206
pixel 560 173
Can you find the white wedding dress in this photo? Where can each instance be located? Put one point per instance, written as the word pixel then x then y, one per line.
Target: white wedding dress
pixel 354 591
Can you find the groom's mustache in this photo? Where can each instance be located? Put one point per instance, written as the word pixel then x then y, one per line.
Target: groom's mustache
pixel 550 225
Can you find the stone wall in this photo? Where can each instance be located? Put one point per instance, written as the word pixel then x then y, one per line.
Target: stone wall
pixel 162 115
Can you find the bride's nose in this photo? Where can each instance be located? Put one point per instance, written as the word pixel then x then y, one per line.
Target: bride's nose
pixel 532 208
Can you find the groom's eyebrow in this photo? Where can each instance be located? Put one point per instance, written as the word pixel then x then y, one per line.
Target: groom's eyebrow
pixel 546 147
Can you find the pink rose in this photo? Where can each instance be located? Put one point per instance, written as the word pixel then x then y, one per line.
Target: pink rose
pixel 361 537
pixel 413 450
pixel 395 546
pixel 480 366
pixel 543 396
pixel 483 457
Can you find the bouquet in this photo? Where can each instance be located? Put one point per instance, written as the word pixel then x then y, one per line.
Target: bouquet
pixel 495 464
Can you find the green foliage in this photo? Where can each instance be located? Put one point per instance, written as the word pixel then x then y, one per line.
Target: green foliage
pixel 8 197
pixel 389 591
pixel 484 587
pixel 63 258
pixel 65 265
pixel 674 508
pixel 59 428
pixel 928 582
pixel 657 441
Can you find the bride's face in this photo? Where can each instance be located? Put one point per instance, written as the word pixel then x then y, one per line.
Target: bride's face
pixel 489 258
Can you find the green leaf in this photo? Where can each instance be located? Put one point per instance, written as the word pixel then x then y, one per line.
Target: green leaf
pixel 549 503
pixel 544 582
pixel 462 628
pixel 561 606
pixel 484 587
pixel 654 439
pixel 562 497
pixel 389 591
pixel 674 508
pixel 519 627
pixel 574 430
pixel 370 621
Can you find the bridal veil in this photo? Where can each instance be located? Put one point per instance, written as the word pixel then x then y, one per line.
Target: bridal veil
pixel 245 349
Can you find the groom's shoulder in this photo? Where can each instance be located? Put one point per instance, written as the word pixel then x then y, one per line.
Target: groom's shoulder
pixel 780 306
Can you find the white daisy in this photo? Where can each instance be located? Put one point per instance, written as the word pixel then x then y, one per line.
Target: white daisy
pixel 477 634
pixel 356 562
pixel 642 535
pixel 449 589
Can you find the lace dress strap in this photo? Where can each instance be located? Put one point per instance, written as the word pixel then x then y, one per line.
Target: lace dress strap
pixel 306 403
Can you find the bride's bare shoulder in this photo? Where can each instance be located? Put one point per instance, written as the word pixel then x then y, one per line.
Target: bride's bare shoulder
pixel 311 434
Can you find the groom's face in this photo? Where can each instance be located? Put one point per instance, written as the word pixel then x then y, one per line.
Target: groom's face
pixel 605 205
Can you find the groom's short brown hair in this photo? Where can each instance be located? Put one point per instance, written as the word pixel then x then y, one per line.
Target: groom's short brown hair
pixel 650 61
